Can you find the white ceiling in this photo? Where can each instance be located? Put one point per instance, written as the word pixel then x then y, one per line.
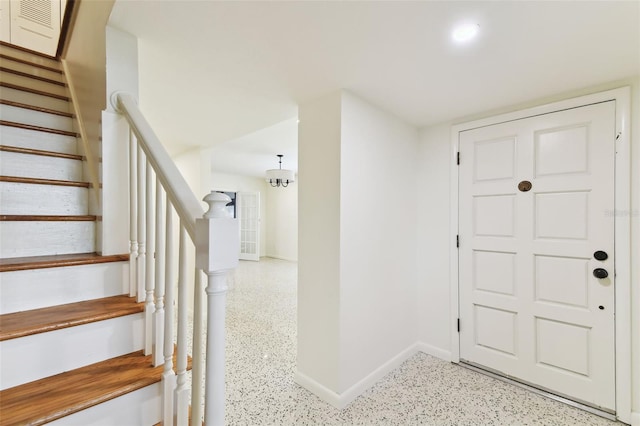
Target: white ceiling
pixel 218 72
pixel 256 152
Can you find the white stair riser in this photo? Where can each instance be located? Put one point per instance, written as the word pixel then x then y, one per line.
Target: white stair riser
pixel 35 118
pixel 21 239
pixel 42 355
pixel 34 99
pixel 14 136
pixel 32 70
pixel 40 166
pixel 40 288
pixel 31 83
pixel 140 407
pixel 15 53
pixel 31 199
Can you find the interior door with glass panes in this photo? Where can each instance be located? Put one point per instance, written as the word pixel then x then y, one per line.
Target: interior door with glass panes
pixel 248 208
pixel 537 251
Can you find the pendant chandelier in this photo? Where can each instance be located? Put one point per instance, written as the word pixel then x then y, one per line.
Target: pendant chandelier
pixel 280 177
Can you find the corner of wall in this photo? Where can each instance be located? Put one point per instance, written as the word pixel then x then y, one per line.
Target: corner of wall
pixel 342 400
pixel 434 351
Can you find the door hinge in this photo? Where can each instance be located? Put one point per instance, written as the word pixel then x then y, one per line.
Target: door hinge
pixel 458 325
pixel 458 158
pixel 458 241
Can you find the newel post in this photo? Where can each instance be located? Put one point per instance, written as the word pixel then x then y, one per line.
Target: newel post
pixel 217 249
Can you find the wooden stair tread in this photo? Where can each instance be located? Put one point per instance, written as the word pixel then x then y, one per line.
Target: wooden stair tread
pixel 33 52
pixel 57 261
pixel 38 181
pixel 35 108
pixel 46 218
pixel 33 64
pixel 26 323
pixel 57 396
pixel 21 150
pixel 38 128
pixel 35 77
pixel 35 91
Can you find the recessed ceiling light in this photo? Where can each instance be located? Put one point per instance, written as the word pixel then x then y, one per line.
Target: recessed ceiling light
pixel 465 32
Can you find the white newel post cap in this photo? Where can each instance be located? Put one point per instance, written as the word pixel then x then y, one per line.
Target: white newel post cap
pixel 217 202
pixel 217 236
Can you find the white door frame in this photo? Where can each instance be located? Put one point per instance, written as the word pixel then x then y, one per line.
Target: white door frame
pixel 622 96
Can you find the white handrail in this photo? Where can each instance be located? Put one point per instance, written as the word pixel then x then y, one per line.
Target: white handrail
pixel 177 189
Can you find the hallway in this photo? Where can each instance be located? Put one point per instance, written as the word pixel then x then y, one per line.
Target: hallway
pixel 261 359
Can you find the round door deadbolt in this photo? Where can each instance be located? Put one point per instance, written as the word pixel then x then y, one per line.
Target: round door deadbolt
pixel 524 186
pixel 600 273
pixel 601 307
pixel 600 255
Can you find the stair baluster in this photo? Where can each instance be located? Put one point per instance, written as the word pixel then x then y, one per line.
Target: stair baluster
pixel 133 212
pixel 168 376
pixel 149 265
pixel 182 391
pixel 158 338
pixel 142 249
pixel 197 365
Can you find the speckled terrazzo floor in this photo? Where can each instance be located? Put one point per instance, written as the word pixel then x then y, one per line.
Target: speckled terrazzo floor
pixel 261 356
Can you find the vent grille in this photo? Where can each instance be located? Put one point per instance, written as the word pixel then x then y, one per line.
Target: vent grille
pixel 38 11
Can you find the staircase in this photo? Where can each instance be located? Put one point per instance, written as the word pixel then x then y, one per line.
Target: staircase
pixel 71 338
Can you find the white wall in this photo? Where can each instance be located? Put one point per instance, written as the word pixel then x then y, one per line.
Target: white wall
pixel 278 206
pixel 237 183
pixel 282 224
pixel 433 252
pixel 357 246
pixel 194 169
pixel 433 195
pixel 319 244
pixel 85 59
pixel 122 63
pixel 377 238
pixel 635 251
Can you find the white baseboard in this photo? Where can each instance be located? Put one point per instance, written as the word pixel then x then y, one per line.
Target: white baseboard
pixel 322 392
pixel 342 400
pixel 434 351
pixel 288 259
pixel 635 418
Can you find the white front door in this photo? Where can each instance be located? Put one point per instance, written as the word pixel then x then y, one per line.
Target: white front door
pixel 531 307
pixel 248 205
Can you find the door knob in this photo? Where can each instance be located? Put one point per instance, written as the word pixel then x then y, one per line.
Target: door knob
pixel 600 273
